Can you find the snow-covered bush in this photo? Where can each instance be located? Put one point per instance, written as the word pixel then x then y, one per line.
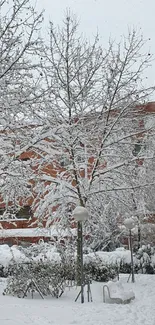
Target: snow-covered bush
pixel 120 260
pixel 125 267
pixel 97 270
pixel 2 271
pixel 42 251
pixel 145 256
pixel 46 276
pixel 52 265
pixel 9 256
pixel 68 258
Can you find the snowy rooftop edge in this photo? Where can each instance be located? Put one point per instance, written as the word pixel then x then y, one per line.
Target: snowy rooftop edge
pixel 35 232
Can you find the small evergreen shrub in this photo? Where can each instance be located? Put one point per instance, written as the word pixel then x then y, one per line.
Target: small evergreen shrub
pixel 2 271
pixel 144 256
pixel 47 277
pixel 51 267
pixel 98 271
pixel 125 267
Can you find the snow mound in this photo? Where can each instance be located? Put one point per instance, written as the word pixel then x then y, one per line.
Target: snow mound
pixel 10 253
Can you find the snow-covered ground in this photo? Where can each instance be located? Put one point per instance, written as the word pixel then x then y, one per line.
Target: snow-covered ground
pixel 65 311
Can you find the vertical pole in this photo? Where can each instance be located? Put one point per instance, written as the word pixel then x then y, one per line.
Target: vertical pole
pixel 78 268
pixel 139 234
pixel 132 265
pixel 139 237
pixel 88 290
pixel 82 284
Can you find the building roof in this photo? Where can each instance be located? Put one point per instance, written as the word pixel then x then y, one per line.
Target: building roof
pixel 36 232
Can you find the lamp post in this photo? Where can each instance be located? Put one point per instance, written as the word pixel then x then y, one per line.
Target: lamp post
pixel 81 214
pixel 130 224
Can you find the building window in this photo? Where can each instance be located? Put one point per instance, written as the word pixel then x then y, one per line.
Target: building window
pixel 137 148
pixel 2 210
pixel 25 159
pixel 24 213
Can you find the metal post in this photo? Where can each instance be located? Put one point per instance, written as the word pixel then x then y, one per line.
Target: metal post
pixel 139 233
pixel 82 284
pixel 80 214
pixel 132 264
pixel 78 268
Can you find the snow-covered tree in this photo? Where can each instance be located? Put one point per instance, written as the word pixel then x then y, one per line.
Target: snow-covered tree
pixel 20 93
pixel 138 194
pixel 90 116
pixel 85 120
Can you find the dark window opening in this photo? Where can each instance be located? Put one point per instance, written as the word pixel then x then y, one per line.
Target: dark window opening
pixel 25 212
pixel 137 148
pixel 25 159
pixel 2 210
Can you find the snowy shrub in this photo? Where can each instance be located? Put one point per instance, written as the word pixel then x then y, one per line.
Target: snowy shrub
pixel 41 251
pixel 144 256
pixel 8 257
pixel 52 265
pixel 2 271
pixel 68 259
pixel 94 267
pixel 98 271
pixel 46 276
pixel 126 267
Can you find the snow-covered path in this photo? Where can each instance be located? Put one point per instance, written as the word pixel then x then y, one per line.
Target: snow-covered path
pixel 64 311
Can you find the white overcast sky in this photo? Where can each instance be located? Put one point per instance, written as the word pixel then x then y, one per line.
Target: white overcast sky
pixel 109 17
